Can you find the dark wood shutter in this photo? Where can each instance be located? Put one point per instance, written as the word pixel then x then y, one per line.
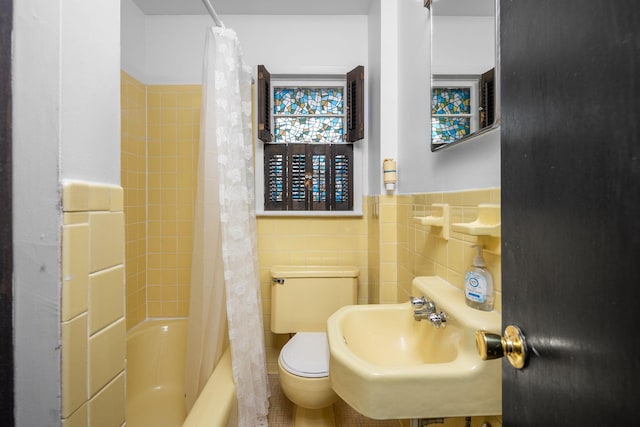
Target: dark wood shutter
pixel 308 177
pixel 342 177
pixel 319 189
pixel 275 177
pixel 487 98
pixel 264 104
pixel 297 167
pixel 355 104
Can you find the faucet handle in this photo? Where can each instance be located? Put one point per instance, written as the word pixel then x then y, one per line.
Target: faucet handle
pixel 443 319
pixel 418 302
pixel 438 320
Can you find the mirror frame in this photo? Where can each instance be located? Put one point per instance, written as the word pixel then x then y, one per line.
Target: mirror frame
pixel 496 123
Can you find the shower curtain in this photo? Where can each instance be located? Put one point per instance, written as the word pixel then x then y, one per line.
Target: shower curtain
pixel 225 279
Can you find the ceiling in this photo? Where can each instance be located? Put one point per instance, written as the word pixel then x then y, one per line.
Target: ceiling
pixel 255 7
pixel 302 7
pixel 463 7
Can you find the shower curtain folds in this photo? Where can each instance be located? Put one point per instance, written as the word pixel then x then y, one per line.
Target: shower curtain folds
pixel 225 273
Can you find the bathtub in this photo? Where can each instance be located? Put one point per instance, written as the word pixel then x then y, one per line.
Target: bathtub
pixel 156 352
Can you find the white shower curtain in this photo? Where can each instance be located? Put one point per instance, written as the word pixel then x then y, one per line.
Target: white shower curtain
pixel 225 259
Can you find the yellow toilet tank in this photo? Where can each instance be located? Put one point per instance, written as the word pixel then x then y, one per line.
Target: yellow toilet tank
pixel 303 297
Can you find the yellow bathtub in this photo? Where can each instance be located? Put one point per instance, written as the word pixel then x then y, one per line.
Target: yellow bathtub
pixel 155 380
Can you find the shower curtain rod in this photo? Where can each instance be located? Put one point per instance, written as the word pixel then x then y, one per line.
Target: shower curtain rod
pixel 213 13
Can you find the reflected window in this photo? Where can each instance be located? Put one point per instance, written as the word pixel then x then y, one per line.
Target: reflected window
pixel 454 111
pixel 460 106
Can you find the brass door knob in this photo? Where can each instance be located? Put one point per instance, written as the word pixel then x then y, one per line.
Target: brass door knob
pixel 512 344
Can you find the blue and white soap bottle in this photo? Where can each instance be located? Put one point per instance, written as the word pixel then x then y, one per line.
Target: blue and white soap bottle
pixel 478 284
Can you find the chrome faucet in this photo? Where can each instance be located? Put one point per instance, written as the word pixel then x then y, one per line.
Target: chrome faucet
pixel 424 308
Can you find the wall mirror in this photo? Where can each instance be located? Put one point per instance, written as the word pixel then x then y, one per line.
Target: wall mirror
pixel 464 70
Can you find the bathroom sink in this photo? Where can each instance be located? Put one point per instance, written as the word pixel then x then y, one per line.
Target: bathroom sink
pixel 392 338
pixel 387 365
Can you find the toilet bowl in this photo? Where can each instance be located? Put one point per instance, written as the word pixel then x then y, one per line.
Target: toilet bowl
pixel 303 367
pixel 302 299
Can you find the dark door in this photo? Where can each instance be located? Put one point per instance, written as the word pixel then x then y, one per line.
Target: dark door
pixel 571 209
pixel 6 258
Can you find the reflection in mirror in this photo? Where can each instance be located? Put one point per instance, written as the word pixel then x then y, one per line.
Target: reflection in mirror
pixel 463 70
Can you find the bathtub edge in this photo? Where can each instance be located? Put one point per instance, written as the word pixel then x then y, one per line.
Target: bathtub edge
pixel 219 389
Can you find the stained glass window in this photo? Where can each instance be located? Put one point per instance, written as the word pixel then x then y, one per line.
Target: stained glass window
pixel 445 130
pixel 308 114
pixel 308 161
pixel 309 129
pixel 447 100
pixel 452 116
pixel 306 100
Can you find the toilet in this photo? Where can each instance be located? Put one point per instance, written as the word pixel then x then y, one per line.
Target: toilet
pixel 302 299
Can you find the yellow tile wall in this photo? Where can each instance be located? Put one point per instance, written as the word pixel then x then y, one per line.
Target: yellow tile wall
pixel 160 135
pixel 388 244
pixel 92 305
pixel 373 240
pixel 173 124
pixel 134 181
pixel 422 252
pixel 308 241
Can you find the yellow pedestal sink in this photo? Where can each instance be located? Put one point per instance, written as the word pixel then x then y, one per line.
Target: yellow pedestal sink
pixel 387 365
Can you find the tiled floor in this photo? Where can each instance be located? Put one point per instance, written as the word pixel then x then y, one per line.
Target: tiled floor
pixel 281 411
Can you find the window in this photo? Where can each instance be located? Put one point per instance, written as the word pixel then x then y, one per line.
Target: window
pixel 308 129
pixel 461 105
pixel 453 110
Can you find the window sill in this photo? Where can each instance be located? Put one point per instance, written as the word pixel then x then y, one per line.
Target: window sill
pixel 332 214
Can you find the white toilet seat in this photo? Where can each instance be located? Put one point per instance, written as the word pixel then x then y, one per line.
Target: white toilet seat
pixel 306 355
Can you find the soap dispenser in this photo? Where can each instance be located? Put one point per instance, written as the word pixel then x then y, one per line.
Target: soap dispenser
pixel 478 284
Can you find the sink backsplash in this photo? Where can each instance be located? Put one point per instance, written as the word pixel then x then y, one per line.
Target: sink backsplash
pixel 400 249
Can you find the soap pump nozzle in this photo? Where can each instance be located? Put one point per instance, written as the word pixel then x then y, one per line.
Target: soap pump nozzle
pixel 478 260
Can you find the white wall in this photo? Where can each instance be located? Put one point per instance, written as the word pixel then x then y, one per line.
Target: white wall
pixel 90 80
pixel 374 159
pixel 65 125
pixel 36 207
pixel 389 96
pixel 285 43
pixel 134 39
pixel 472 38
pixel 413 88
pixel 474 164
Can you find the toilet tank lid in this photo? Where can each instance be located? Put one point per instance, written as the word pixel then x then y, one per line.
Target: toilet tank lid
pixel 289 271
